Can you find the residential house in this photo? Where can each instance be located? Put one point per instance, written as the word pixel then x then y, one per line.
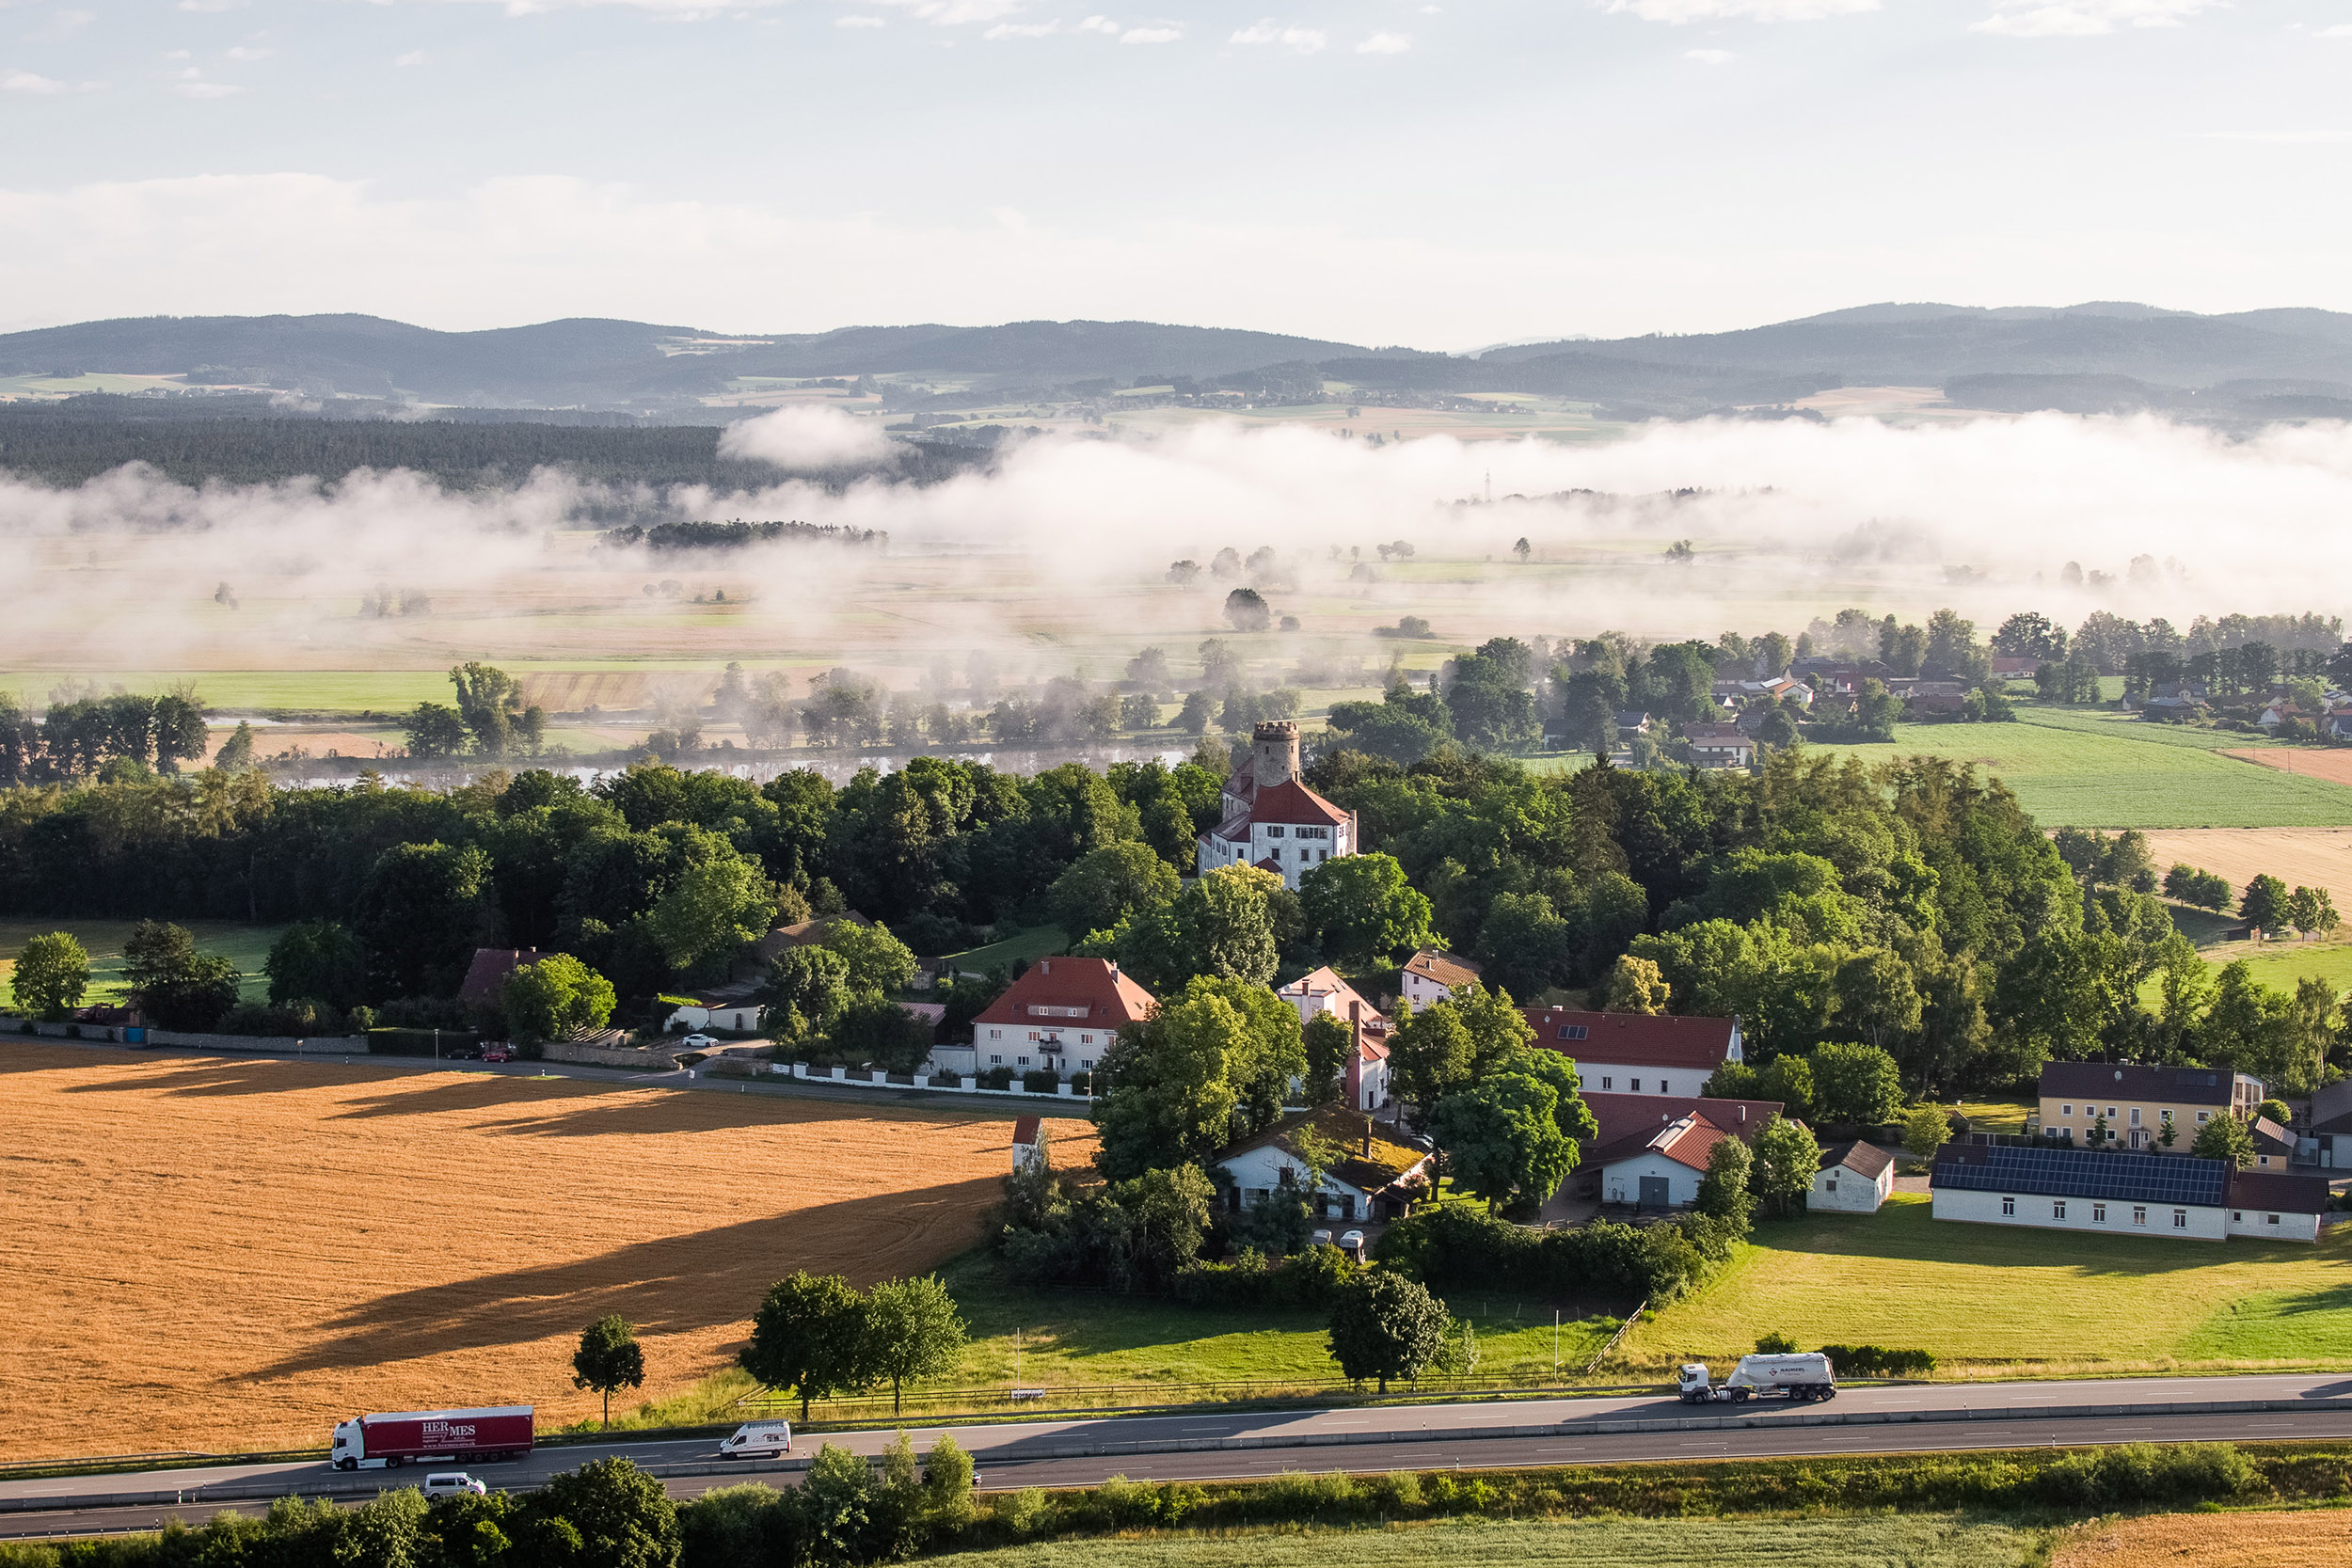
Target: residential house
pixel 1854 1178
pixel 486 976
pixel 1365 1078
pixel 783 939
pixel 1633 721
pixel 735 1008
pixel 1719 746
pixel 2324 1138
pixel 2013 667
pixel 1431 976
pixel 1372 1177
pixel 1839 677
pixel 1650 1053
pixel 2134 1194
pixel 1270 820
pixel 1062 1014
pixel 2173 698
pixel 2338 724
pixel 1630 1124
pixel 2274 1146
pixel 2137 1101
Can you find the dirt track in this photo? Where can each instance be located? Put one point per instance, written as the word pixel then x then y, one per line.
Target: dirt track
pixel 207 1252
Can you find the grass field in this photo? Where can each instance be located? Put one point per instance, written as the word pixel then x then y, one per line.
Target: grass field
pixel 1909 1542
pixel 213 1254
pixel 1995 1297
pixel 2073 767
pixel 102 939
pixel 1084 1337
pixel 1037 941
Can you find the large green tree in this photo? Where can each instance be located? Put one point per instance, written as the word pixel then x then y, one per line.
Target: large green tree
pixel 808 1336
pixel 1502 1139
pixel 1108 885
pixel 50 975
pixel 1787 1158
pixel 1221 926
pixel 1386 1325
pixel 608 1359
pixel 1364 909
pixel 555 999
pixel 711 908
pixel 316 960
pixel 805 991
pixel 421 913
pixel 1210 1065
pixel 1856 1084
pixel 607 1513
pixel 913 1331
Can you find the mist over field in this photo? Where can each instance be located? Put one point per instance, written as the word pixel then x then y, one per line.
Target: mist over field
pixel 1788 518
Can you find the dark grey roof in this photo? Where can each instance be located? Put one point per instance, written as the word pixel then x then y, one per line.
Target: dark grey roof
pixel 1863 1159
pixel 2186 1085
pixel 2080 1173
pixel 2279 1191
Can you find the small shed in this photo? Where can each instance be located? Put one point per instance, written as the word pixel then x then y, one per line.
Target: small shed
pixel 1029 1142
pixel 1854 1178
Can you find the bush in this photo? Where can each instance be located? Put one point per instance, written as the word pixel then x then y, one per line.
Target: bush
pixel 418 1042
pixel 1040 1080
pixel 1461 1248
pixel 1876 1361
pixel 996 1078
pixel 292 1019
pixel 1311 1279
pixel 1081 1082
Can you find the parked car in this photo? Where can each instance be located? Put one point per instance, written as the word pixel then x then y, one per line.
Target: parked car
pixel 498 1052
pixel 452 1484
pixel 1352 1242
pixel 462 1053
pixel 699 1042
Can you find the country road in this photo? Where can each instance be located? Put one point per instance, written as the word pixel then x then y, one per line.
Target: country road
pixel 1206 1446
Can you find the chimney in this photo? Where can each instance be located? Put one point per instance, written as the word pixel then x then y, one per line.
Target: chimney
pixel 1046 966
pixel 1274 753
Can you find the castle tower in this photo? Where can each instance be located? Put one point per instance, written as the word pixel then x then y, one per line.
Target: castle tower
pixel 1274 753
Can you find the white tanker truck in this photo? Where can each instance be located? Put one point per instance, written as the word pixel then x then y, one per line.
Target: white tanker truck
pixel 1806 1376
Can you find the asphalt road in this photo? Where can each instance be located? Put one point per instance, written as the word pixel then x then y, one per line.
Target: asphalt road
pixel 1197 1446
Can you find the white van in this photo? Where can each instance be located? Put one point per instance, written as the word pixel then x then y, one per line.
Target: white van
pixel 452 1484
pixel 758 1440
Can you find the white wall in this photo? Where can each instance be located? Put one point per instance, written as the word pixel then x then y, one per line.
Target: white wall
pixel 2034 1212
pixel 2291 1228
pixel 1621 1183
pixel 1620 1077
pixel 1853 1194
pixel 1260 1169
pixel 1420 990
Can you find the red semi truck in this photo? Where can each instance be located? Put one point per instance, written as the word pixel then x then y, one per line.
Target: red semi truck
pixel 501 1431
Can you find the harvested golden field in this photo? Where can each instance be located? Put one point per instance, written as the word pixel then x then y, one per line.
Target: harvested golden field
pixel 214 1254
pixel 2312 857
pixel 2211 1541
pixel 2332 765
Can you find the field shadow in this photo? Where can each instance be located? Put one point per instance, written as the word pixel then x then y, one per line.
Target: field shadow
pixel 242 1076
pixel 670 1285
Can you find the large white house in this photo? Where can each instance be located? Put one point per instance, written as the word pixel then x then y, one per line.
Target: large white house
pixel 1063 1013
pixel 2127 1194
pixel 1638 1053
pixel 1270 820
pixel 1434 976
pixel 1365 1078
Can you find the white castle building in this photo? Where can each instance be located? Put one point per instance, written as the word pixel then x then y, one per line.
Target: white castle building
pixel 1271 819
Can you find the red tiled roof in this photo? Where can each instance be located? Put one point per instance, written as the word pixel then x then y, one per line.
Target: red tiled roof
pixel 1083 993
pixel 1634 1039
pixel 1689 1142
pixel 1327 982
pixel 488 973
pixel 1293 801
pixel 1629 1121
pixel 1444 968
pixel 1024 1131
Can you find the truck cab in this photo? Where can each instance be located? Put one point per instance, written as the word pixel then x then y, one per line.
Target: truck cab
pixel 350 1449
pixel 1692 1382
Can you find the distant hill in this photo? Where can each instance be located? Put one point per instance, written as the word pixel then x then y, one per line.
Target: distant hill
pixel 2252 364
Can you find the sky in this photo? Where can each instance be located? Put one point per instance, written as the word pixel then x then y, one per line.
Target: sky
pixel 1440 173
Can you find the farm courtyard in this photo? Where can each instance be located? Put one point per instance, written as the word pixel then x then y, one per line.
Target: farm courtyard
pixel 214 1254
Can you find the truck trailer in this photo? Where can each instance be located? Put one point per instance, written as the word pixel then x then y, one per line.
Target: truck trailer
pixel 1806 1376
pixel 459 1436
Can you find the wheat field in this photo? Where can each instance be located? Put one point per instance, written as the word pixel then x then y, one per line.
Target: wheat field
pixel 217 1254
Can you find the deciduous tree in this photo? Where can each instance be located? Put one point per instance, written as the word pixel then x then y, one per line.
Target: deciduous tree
pixel 913 1331
pixel 52 973
pixel 808 1336
pixel 1386 1325
pixel 608 1359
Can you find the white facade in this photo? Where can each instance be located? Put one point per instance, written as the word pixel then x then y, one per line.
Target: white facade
pixel 1018 1046
pixel 2274 1225
pixel 2106 1216
pixel 1842 1190
pixel 1621 1180
pixel 1259 1173
pixel 962 1060
pixel 742 1017
pixel 1618 1078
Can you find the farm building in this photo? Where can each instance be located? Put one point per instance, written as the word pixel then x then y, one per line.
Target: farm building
pixel 1063 1014
pixel 1719 746
pixel 1376 1178
pixel 1366 1076
pixel 1430 975
pixel 1638 1053
pixel 2323 1135
pixel 2136 1102
pixel 1854 1178
pixel 1270 820
pixel 733 1008
pixel 1630 1124
pixel 2076 1189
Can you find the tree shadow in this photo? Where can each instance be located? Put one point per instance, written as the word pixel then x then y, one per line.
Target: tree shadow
pixel 248 1075
pixel 670 1285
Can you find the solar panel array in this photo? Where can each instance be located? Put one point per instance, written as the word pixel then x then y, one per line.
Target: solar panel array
pixel 2075 1173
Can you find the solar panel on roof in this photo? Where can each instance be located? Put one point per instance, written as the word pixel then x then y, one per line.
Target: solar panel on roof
pixel 2075 1173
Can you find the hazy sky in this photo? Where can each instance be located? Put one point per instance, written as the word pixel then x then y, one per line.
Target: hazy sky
pixel 1440 174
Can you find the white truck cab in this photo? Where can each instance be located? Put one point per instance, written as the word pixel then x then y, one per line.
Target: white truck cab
pixel 350 1449
pixel 1803 1376
pixel 758 1440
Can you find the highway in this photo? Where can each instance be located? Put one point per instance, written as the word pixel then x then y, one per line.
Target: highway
pixel 1224 1446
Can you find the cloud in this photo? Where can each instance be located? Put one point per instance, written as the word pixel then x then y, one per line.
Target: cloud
pixel 25 81
pixel 953 14
pixel 208 90
pixel 246 53
pixel 1298 41
pixel 668 11
pixel 413 56
pixel 2277 138
pixel 2035 18
pixel 1022 30
pixel 1161 34
pixel 1709 57
pixel 1678 13
pixel 1099 24
pixel 2340 30
pixel 808 436
pixel 208 5
pixel 859 19
pixel 1386 43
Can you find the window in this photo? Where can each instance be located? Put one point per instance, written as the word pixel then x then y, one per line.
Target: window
pixel 2009 1205
pixel 1087 1065
pixel 1608 1083
pixel 2110 1113
pixel 2179 1219
pixel 2134 1115
pixel 2057 1208
pixel 995 1034
pixel 2236 1217
pixel 2201 1116
pixel 2140 1213
pixel 1634 1083
pixel 2067 1111
pixel 1665 1088
pixel 1274 832
pixel 1573 1031
pixel 996 1061
pixel 1022 1061
pixel 1085 1039
pixel 1830 1185
pixel 2270 1219
pixel 2098 1214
